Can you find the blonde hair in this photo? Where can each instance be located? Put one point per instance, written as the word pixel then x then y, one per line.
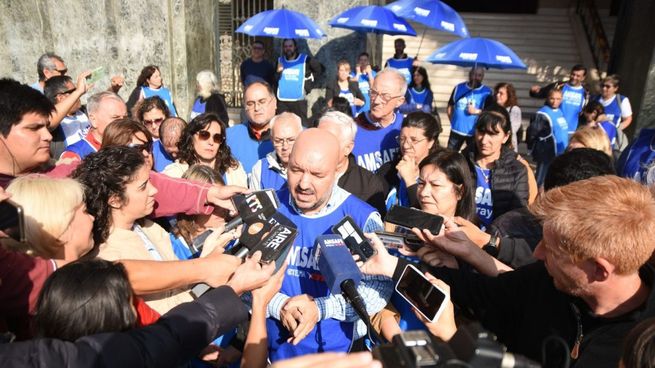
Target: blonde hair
pixel 618 224
pixel 49 206
pixel 207 82
pixel 593 137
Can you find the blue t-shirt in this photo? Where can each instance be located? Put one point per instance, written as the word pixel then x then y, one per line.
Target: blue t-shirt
pixel 638 158
pixel 374 147
pixel 245 148
pixel 365 86
pixel 483 199
pixel 462 122
pixel 164 94
pixel 573 99
pixel 160 156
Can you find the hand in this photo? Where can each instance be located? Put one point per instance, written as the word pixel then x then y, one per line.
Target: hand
pixel 302 306
pixel 451 240
pixel 359 102
pixel 436 258
pixel 280 68
pixel 381 263
pixel 358 69
pixel 331 360
pixel 251 274
pixel 416 63
pixel 263 295
pixel 221 196
pixel 444 328
pixel 219 267
pixel 218 239
pixel 472 110
pixel 535 89
pixel 408 169
pixel 81 87
pixel 368 69
pixel 477 236
pixel 117 82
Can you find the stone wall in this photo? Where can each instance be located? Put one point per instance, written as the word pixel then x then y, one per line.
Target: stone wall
pixel 122 36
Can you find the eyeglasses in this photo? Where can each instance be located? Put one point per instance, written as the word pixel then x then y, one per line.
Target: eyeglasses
pixel 153 121
pixel 279 142
pixel 250 105
pixel 144 147
pixel 608 86
pixel 204 135
pixel 386 97
pixel 412 141
pixel 68 92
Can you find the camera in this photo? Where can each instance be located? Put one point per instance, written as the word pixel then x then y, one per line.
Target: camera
pixel 471 346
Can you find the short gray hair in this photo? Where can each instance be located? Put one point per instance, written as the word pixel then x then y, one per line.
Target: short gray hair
pixel 207 82
pixel 402 82
pixel 46 62
pixel 287 115
pixel 94 101
pixel 346 124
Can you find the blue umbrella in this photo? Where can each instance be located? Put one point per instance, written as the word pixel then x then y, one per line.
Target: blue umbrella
pixel 372 19
pixel 477 51
pixel 281 23
pixel 432 13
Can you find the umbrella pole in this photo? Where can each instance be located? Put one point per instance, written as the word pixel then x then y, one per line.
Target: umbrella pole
pixel 421 42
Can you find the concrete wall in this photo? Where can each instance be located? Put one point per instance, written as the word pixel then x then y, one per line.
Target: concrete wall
pixel 122 36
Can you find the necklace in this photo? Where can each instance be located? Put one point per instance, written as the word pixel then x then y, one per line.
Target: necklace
pixel 485 173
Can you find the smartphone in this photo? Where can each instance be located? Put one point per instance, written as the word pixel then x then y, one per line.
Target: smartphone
pixel 199 241
pixel 354 238
pixel 411 217
pixel 12 220
pixel 399 240
pixel 96 75
pixel 427 298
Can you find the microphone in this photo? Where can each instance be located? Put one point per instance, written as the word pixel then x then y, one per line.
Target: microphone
pixel 340 271
pixel 255 232
pixel 259 205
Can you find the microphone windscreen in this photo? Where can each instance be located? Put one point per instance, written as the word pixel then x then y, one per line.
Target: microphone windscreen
pixel 335 262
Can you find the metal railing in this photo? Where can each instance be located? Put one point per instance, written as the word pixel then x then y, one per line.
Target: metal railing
pixel 595 32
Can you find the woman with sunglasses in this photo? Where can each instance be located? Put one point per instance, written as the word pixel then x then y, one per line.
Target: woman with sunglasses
pixel 151 111
pixel 617 107
pixel 203 142
pixel 131 133
pixel 150 83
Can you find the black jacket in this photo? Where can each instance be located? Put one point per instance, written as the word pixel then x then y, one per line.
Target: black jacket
pixel 540 139
pixel 389 174
pixel 509 181
pixel 176 338
pixel 520 232
pixel 364 185
pixel 523 308
pixel 333 89
pixel 216 104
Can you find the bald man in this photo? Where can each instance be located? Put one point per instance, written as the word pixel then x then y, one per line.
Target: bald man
pixel 304 317
pixel 164 149
pixel 355 179
pixel 376 142
pixel 271 171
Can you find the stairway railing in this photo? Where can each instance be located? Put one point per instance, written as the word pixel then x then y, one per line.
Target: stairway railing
pixel 596 37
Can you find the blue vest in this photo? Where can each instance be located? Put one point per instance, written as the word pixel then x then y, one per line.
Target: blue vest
pixel 304 277
pixel 417 97
pixel 246 149
pixel 159 155
pixel 462 122
pixel 404 66
pixel 82 148
pixel 373 148
pixel 483 200
pixel 613 110
pixel 398 196
pixel 199 107
pixel 162 93
pixel 365 87
pixel 610 129
pixel 558 127
pixel 291 86
pixel 271 179
pixel 572 104
pixel 636 159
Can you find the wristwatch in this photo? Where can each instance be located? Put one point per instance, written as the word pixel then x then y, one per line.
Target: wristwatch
pixel 492 246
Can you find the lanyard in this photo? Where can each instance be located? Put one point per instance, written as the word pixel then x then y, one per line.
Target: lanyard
pixel 150 247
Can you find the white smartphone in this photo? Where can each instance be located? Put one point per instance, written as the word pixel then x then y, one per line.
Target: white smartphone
pixel 427 298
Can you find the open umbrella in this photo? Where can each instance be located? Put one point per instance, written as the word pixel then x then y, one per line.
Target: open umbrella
pixel 477 51
pixel 281 23
pixel 432 13
pixel 372 19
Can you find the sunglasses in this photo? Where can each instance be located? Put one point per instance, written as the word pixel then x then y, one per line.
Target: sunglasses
pixel 62 71
pixel 153 121
pixel 204 135
pixel 144 147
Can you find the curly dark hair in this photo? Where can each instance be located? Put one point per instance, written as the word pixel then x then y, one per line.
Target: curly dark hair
pixel 187 154
pixel 150 103
pixel 146 73
pixel 104 174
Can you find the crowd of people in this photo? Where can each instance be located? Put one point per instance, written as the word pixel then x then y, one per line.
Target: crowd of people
pixel 118 197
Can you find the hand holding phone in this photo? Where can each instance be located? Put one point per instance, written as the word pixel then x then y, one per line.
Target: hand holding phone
pixel 427 298
pixel 12 220
pixel 411 217
pixel 354 238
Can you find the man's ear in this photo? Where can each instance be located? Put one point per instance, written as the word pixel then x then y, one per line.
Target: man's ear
pixel 602 269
